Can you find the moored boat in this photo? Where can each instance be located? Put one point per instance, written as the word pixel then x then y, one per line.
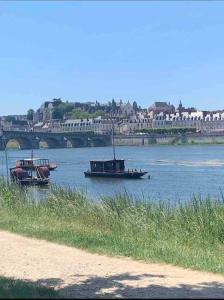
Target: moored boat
pixel 114 168
pixel 32 171
pixel 32 163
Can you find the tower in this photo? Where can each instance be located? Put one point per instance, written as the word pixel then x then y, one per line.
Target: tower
pixel 180 107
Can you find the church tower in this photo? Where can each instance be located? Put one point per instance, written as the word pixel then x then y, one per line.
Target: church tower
pixel 180 107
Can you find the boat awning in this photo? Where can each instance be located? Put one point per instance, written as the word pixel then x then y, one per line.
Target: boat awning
pixel 110 160
pixel 107 165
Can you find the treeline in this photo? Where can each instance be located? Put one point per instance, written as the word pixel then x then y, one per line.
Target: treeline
pixel 167 130
pixel 79 110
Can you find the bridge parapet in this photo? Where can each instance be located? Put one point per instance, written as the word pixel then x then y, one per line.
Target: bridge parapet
pixel 31 139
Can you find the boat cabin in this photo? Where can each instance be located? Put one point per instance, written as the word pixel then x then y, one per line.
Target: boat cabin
pixel 30 162
pixel 114 165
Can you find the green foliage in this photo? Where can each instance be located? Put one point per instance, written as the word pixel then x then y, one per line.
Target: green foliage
pixel 74 113
pixel 57 113
pixel 30 114
pixel 61 109
pixel 84 110
pixel 21 289
pixel 57 101
pixel 80 114
pixel 168 130
pixel 189 234
pixel 65 107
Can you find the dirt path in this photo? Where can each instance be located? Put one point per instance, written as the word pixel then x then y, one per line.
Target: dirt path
pixel 79 274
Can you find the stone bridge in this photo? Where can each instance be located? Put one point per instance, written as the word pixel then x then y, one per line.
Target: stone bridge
pixel 31 140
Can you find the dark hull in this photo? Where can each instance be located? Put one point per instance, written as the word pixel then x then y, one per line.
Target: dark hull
pixel 128 175
pixel 32 181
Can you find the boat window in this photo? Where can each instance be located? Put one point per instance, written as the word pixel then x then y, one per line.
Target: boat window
pixel 97 166
pixel 109 166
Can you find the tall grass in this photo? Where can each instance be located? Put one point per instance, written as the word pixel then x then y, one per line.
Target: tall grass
pixel 18 289
pixel 189 234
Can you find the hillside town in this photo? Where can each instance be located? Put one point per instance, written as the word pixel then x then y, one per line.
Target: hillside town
pixel 128 118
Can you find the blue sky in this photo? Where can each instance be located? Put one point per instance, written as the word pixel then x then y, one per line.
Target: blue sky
pixel 144 51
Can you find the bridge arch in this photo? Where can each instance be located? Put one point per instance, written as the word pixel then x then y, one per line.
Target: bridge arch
pixel 75 142
pixel 48 142
pixel 21 143
pixel 98 142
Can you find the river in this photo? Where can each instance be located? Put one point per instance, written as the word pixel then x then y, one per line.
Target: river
pixel 177 172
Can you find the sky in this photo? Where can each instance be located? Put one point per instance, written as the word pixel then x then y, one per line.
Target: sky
pixel 99 50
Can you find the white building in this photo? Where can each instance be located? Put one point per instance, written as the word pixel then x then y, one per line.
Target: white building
pixel 97 125
pixel 128 126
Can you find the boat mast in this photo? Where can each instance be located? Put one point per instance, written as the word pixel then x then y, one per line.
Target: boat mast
pixel 7 165
pixel 113 138
pixel 32 161
pixel 6 157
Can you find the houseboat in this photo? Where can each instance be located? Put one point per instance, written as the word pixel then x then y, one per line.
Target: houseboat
pixel 114 168
pixel 32 171
pixel 32 163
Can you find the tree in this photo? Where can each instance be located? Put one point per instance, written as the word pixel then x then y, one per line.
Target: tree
pixel 57 113
pixel 61 109
pixel 65 107
pixel 30 114
pixel 135 106
pixel 78 113
pixel 57 101
pixel 113 106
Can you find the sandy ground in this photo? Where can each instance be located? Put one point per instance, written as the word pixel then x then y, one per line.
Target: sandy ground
pixel 79 274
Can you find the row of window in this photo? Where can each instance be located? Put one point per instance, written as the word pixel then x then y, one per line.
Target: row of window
pixel 76 124
pixel 180 119
pixel 191 118
pixel 138 121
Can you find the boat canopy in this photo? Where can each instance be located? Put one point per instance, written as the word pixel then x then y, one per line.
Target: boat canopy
pixel 107 165
pixel 32 162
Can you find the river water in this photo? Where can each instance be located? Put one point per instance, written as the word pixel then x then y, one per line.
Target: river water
pixel 177 172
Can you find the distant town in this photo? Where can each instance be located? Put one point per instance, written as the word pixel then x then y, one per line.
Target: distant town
pixel 128 118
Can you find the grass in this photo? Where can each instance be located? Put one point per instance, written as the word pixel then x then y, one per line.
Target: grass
pixel 187 234
pixel 19 289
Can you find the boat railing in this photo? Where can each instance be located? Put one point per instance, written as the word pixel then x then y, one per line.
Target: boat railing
pixel 41 176
pixel 38 172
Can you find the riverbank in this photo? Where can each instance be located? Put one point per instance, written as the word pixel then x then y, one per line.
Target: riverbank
pixel 169 139
pixel 188 235
pixel 68 272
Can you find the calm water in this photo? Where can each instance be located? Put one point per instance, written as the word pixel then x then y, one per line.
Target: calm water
pixel 176 171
